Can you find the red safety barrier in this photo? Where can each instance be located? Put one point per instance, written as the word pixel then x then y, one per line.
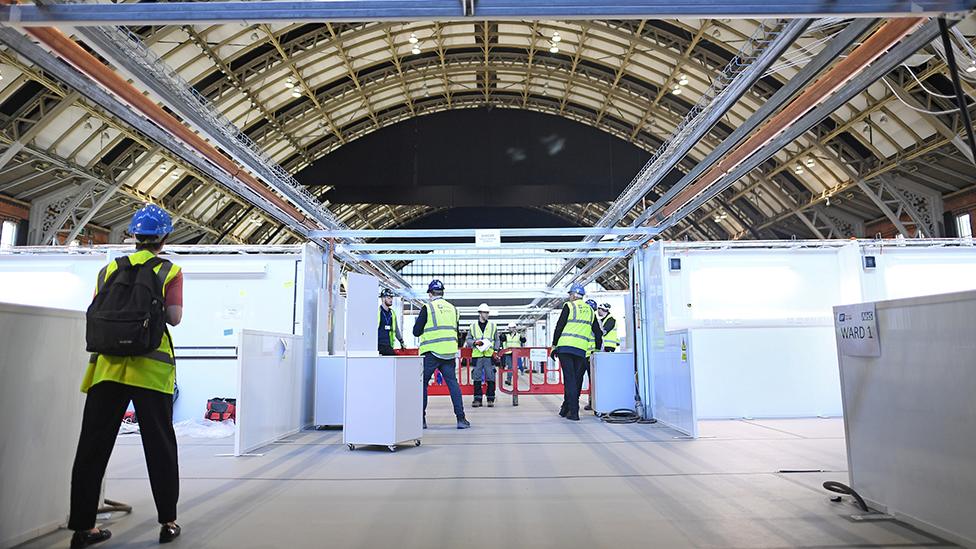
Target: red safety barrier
pixel 406 352
pixel 540 377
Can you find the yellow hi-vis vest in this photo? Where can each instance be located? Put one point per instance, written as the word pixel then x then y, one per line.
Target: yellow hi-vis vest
pixel 512 341
pixel 488 335
pixel 393 323
pixel 440 333
pixel 610 339
pixel 156 370
pixel 578 331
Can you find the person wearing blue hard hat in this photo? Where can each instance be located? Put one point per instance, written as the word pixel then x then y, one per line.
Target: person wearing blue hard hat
pixel 591 303
pixel 437 328
pixel 576 332
pixel 132 360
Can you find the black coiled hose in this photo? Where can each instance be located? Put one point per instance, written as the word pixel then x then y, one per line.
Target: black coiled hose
pixel 841 488
pixel 623 416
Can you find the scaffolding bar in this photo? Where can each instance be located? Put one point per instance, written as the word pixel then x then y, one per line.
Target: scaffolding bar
pixel 554 232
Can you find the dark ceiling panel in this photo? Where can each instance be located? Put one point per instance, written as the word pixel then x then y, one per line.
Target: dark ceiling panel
pixel 479 157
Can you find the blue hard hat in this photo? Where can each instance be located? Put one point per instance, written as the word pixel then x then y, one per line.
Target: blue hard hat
pixel 577 289
pixel 435 286
pixel 591 303
pixel 151 220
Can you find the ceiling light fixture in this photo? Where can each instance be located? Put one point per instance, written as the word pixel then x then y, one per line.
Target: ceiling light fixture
pixel 415 50
pixel 88 124
pixel 296 92
pixel 174 176
pixel 798 169
pixel 413 39
pixel 556 37
pixel 163 168
pixel 554 49
pixel 809 162
pixel 289 83
pixel 683 80
pixel 971 68
pixel 676 90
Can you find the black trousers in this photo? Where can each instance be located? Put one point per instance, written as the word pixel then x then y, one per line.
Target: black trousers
pixel 104 408
pixel 573 367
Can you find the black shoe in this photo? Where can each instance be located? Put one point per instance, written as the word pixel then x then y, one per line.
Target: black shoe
pixel 168 533
pixel 84 538
pixel 588 408
pixel 463 423
pixel 563 411
pixel 476 404
pixel 508 382
pixel 573 416
pixel 491 403
pixel 425 423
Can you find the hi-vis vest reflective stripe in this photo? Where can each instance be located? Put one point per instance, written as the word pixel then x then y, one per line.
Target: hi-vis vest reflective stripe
pixel 488 335
pixel 155 370
pixel 393 323
pixel 578 332
pixel 610 339
pixel 512 341
pixel 440 332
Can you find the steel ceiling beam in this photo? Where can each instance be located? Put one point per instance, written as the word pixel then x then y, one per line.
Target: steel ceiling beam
pixel 199 13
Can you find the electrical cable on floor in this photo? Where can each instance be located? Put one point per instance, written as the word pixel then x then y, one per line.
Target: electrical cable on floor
pixel 622 416
pixel 841 488
pixel 112 506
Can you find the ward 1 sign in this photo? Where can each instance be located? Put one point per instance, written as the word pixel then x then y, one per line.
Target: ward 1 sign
pixel 857 330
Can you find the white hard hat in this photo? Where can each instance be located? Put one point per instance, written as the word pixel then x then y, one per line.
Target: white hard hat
pixel 511 326
pixel 483 308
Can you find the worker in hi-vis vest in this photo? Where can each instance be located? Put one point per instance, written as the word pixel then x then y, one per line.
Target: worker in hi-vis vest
pixel 437 328
pixel 608 325
pixel 576 330
pixel 483 341
pixel 388 329
pixel 149 290
pixel 511 339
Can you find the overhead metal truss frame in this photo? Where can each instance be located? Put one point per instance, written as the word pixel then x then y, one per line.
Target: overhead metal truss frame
pixel 404 10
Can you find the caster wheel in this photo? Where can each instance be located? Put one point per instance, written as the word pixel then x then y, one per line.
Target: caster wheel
pixel 351 447
pixel 392 448
pixel 416 443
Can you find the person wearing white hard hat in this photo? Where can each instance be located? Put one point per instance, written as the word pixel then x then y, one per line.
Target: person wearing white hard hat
pixel 512 340
pixel 609 325
pixel 483 340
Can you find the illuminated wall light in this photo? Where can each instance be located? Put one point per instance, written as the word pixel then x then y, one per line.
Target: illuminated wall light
pixel 413 39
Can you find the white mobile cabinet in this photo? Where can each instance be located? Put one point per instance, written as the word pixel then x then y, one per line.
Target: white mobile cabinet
pixel 384 401
pixel 330 389
pixel 612 384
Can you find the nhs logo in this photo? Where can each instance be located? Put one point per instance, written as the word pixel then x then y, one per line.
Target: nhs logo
pixel 841 317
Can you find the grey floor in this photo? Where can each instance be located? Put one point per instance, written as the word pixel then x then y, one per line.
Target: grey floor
pixel 520 477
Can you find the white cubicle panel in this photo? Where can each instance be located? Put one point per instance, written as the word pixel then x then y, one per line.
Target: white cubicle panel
pixel 909 415
pixel 361 315
pixel 910 271
pixel 674 382
pixel 64 281
pixel 271 385
pixel 749 285
pixel 42 361
pixel 776 371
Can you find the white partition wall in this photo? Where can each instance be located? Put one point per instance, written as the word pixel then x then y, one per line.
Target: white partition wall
pixel 226 289
pixel 909 415
pixel 42 357
pixel 760 313
pixel 674 383
pixel 271 387
pixel 361 315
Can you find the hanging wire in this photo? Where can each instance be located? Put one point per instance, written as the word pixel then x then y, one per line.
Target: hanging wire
pixel 924 111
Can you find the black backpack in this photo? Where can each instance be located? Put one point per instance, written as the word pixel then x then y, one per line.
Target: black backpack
pixel 128 315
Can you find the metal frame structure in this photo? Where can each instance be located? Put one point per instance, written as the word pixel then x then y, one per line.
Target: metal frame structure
pixel 416 10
